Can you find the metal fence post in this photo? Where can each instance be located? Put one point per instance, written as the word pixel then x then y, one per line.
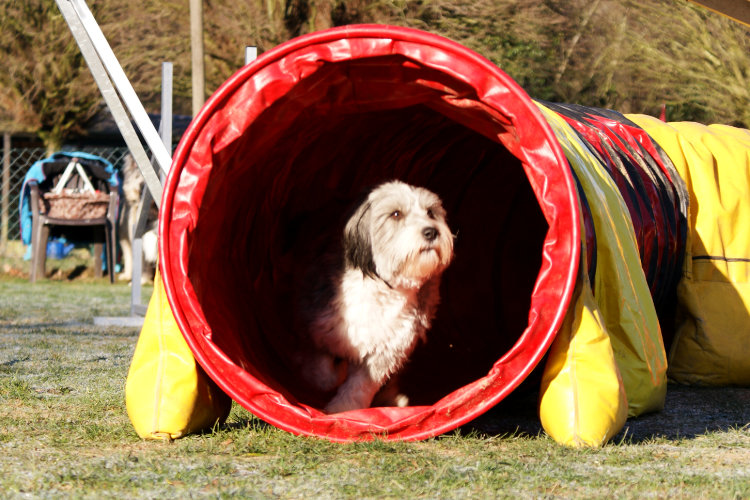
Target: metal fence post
pixel 165 132
pixel 6 193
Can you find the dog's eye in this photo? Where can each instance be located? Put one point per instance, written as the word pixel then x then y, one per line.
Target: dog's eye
pixel 396 214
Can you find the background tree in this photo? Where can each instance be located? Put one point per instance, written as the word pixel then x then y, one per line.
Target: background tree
pixel 143 34
pixel 628 55
pixel 45 86
pixel 699 67
pixel 632 56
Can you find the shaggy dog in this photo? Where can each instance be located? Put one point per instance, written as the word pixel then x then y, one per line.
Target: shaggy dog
pixel 396 245
pixel 132 186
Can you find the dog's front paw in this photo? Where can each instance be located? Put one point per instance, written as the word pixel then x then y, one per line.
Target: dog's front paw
pixel 336 406
pixel 326 373
pixel 344 401
pixel 401 400
pixel 355 393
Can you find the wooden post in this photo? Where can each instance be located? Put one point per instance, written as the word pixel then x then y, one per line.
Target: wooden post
pixel 6 194
pixel 739 10
pixel 196 49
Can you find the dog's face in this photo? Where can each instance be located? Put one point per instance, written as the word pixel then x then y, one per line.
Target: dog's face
pixel 399 234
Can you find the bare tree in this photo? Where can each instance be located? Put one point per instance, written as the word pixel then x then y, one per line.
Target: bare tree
pixel 143 34
pixel 628 55
pixel 45 86
pixel 632 56
pixel 699 66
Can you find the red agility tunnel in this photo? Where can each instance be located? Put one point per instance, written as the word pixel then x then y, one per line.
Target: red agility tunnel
pixel 265 175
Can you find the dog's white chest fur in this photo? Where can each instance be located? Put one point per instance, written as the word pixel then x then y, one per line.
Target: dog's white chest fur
pixel 379 322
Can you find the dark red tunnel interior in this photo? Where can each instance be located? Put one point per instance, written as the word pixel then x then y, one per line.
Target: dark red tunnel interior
pixel 315 174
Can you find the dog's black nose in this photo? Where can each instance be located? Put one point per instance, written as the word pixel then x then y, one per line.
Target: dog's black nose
pixel 429 233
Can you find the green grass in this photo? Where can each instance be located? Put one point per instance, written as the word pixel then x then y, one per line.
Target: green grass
pixel 64 433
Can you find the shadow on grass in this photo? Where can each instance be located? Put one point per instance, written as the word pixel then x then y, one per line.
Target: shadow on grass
pixel 239 423
pixel 688 412
pixel 76 272
pixel 516 415
pixel 8 327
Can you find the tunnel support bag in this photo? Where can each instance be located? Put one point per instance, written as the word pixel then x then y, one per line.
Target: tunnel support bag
pixel 167 395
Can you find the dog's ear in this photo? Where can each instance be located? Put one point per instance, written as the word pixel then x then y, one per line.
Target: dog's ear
pixel 357 244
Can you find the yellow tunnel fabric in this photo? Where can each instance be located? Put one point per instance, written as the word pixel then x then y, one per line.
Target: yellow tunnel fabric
pixel 712 339
pixel 579 376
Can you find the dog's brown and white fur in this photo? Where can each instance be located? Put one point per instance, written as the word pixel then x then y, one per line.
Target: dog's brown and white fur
pixel 396 246
pixel 132 186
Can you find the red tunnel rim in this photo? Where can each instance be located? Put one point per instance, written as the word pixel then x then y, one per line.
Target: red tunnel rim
pixel 171 273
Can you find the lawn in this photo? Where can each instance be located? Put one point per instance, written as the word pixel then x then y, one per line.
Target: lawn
pixel 64 432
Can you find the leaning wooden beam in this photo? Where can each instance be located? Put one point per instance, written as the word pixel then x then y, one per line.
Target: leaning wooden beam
pixel 92 50
pixel 739 10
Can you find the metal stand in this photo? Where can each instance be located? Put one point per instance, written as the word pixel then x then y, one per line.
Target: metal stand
pixel 165 132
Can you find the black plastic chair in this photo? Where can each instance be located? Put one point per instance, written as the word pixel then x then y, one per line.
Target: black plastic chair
pixel 103 228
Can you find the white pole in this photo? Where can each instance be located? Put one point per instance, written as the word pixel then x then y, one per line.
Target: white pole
pixel 251 54
pixel 165 127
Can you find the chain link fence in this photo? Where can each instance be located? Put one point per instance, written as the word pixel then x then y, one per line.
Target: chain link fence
pixel 21 159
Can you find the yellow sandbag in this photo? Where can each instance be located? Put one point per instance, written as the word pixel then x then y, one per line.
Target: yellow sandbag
pixel 582 398
pixel 712 339
pixel 167 394
pixel 579 373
